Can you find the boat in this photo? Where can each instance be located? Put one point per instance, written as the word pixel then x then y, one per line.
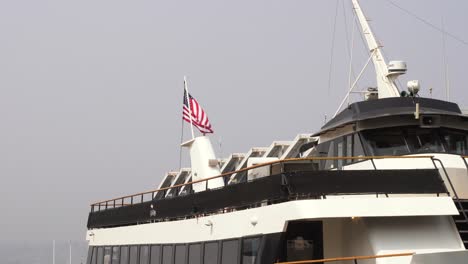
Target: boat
pixel 384 181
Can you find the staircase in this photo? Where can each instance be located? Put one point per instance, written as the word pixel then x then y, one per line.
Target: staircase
pixel 461 220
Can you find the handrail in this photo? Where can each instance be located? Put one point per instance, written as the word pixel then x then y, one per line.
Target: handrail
pixel 465 162
pixel 347 258
pixel 457 198
pixel 103 203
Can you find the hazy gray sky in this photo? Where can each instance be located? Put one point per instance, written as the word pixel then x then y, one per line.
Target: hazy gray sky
pixel 91 91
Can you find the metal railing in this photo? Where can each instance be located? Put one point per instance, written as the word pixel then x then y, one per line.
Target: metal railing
pixel 149 195
pixel 456 199
pixel 464 161
pixel 355 258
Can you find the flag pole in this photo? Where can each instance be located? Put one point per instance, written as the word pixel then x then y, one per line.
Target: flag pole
pixel 189 105
pixel 53 251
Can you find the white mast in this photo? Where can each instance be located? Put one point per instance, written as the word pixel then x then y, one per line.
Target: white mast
pixel 386 75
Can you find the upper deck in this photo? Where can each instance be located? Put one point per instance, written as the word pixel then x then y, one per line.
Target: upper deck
pixel 285 180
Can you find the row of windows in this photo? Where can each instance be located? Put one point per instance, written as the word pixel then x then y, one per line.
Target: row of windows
pixel 345 146
pixel 235 251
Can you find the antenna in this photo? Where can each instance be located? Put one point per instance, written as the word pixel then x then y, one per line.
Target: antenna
pixel 53 251
pixel 70 252
pixel 386 75
pixel 220 144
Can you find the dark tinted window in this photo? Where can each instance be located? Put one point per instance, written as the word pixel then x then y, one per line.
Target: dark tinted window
pixel 407 140
pixel 456 141
pixel 116 255
pixel 211 253
pixel 133 254
pixel 230 252
pixel 195 254
pixel 168 255
pixel 357 146
pixel 107 255
pixel 155 255
pixel 330 164
pixel 423 140
pixel 180 254
pixel 386 142
pixel 349 148
pixel 124 255
pixel 94 258
pixel 340 149
pixel 144 254
pixel 90 256
pixel 100 255
pixel 250 248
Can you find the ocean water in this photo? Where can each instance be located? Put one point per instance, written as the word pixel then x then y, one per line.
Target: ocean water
pixel 40 252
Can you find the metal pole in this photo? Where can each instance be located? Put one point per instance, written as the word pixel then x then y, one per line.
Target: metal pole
pixel 385 84
pixel 70 252
pixel 354 84
pixel 53 251
pixel 189 105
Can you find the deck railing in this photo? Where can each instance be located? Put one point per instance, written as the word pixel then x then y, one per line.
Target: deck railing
pixel 355 258
pixel 150 195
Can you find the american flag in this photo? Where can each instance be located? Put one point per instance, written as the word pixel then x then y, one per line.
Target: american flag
pixel 199 117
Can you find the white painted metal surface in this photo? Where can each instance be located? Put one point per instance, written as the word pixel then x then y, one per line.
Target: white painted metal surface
pixel 232 162
pixel 261 171
pixel 201 152
pixel 385 80
pixel 293 150
pixel 253 153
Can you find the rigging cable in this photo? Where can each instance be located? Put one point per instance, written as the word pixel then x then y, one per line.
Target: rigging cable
pixel 391 2
pixel 345 19
pixel 351 73
pixel 332 48
pixel 444 57
pixel 350 48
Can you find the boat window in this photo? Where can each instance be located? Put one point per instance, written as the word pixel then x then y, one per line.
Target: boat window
pixel 90 258
pixel 411 140
pixel 386 142
pixel 330 164
pixel 340 149
pixel 455 141
pixel 124 255
pixel 168 257
pixel 100 255
pixel 195 254
pixel 230 252
pixel 358 149
pixel 423 140
pixel 210 253
pixel 349 148
pixel 180 254
pixel 107 255
pixel 133 254
pixel 155 254
pixel 115 255
pixel 144 254
pixel 250 248
pixel 303 240
pixel 299 248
